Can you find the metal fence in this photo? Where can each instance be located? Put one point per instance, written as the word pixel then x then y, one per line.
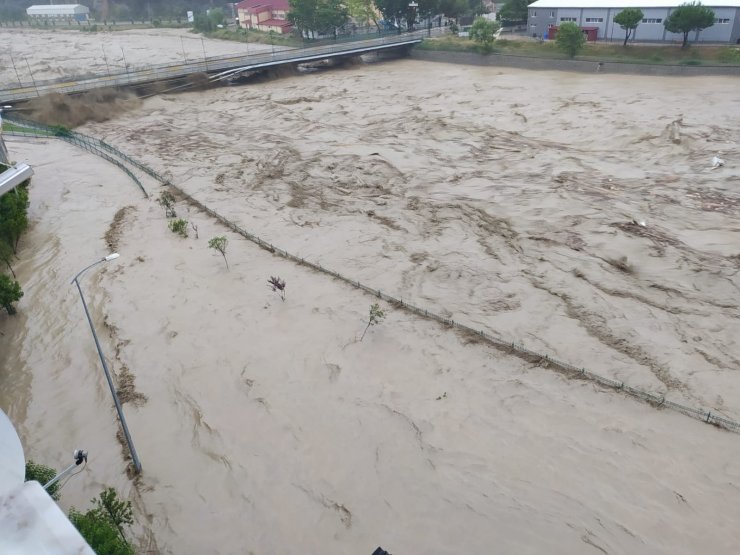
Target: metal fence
pixel 97 147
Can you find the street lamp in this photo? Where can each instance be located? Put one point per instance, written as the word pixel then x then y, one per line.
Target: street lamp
pixel 413 5
pixel 119 409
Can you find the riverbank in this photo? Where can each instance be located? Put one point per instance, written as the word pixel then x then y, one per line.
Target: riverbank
pixel 581 66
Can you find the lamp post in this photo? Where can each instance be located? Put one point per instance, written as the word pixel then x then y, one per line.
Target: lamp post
pixel 412 6
pixel 119 409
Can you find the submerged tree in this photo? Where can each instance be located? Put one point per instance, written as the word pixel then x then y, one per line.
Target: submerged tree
pixel 375 316
pixel 277 285
pixel 220 243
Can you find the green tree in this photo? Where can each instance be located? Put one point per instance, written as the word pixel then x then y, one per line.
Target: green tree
pixel 317 16
pixel 99 533
pixel 399 10
pixel 6 255
pixel 375 317
pixel 13 216
pixel 689 17
pixel 453 8
pixel 42 474
pixel 219 244
pixel 513 12
pixel 10 292
pixel 570 38
pixel 102 526
pixel 216 15
pixel 628 19
pixel 362 11
pixel 483 32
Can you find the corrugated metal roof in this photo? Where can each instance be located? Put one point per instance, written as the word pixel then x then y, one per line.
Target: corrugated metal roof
pixel 628 3
pixel 57 9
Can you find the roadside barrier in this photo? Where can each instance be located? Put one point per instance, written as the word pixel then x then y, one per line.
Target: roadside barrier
pixel 97 147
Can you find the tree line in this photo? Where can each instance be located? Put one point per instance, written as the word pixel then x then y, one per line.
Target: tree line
pixel 13 222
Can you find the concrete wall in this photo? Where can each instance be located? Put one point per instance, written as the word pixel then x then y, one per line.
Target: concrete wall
pixel 523 62
pixel 540 18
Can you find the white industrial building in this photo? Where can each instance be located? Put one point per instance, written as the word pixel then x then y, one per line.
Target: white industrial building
pixel 78 12
pixel 596 17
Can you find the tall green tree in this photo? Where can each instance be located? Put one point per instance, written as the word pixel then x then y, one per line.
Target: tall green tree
pixel 689 17
pixel 570 38
pixel 321 17
pixel 399 10
pixel 362 11
pixel 10 292
pixel 628 19
pixel 514 11
pixel 453 8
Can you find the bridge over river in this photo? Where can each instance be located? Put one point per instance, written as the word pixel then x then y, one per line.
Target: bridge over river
pixel 217 68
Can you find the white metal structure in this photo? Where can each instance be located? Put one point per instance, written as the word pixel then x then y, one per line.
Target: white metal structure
pixel 59 11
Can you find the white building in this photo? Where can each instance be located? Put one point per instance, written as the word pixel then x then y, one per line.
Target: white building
pixel 598 17
pixel 78 12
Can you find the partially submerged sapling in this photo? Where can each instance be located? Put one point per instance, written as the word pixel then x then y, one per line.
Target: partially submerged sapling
pixel 220 243
pixel 179 226
pixel 167 200
pixel 277 285
pixel 375 317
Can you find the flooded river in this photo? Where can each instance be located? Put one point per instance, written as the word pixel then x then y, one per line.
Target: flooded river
pixel 576 214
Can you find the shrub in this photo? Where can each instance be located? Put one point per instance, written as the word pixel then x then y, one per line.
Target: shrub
pixel 570 38
pixel 102 526
pixel 278 285
pixel 376 316
pixel 220 243
pixel 179 226
pixel 42 474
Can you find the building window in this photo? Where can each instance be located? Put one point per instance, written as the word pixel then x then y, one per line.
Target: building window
pixel 722 21
pixel 652 20
pixel 573 19
pixel 552 14
pixel 594 20
pixel 534 14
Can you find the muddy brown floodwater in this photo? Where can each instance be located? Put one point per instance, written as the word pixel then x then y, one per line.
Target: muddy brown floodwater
pixel 577 214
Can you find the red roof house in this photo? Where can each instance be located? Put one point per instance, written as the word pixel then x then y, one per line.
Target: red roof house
pixel 264 15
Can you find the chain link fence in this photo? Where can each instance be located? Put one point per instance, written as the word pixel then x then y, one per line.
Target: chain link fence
pixel 118 158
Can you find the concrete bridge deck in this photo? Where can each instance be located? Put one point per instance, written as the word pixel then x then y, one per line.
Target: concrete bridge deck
pixel 216 67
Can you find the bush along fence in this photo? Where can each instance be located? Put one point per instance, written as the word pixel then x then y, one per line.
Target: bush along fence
pixel 101 148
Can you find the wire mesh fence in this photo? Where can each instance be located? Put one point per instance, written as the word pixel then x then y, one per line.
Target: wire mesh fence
pixel 117 157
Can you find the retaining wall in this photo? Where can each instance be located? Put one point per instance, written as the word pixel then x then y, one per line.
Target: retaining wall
pixel 584 66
